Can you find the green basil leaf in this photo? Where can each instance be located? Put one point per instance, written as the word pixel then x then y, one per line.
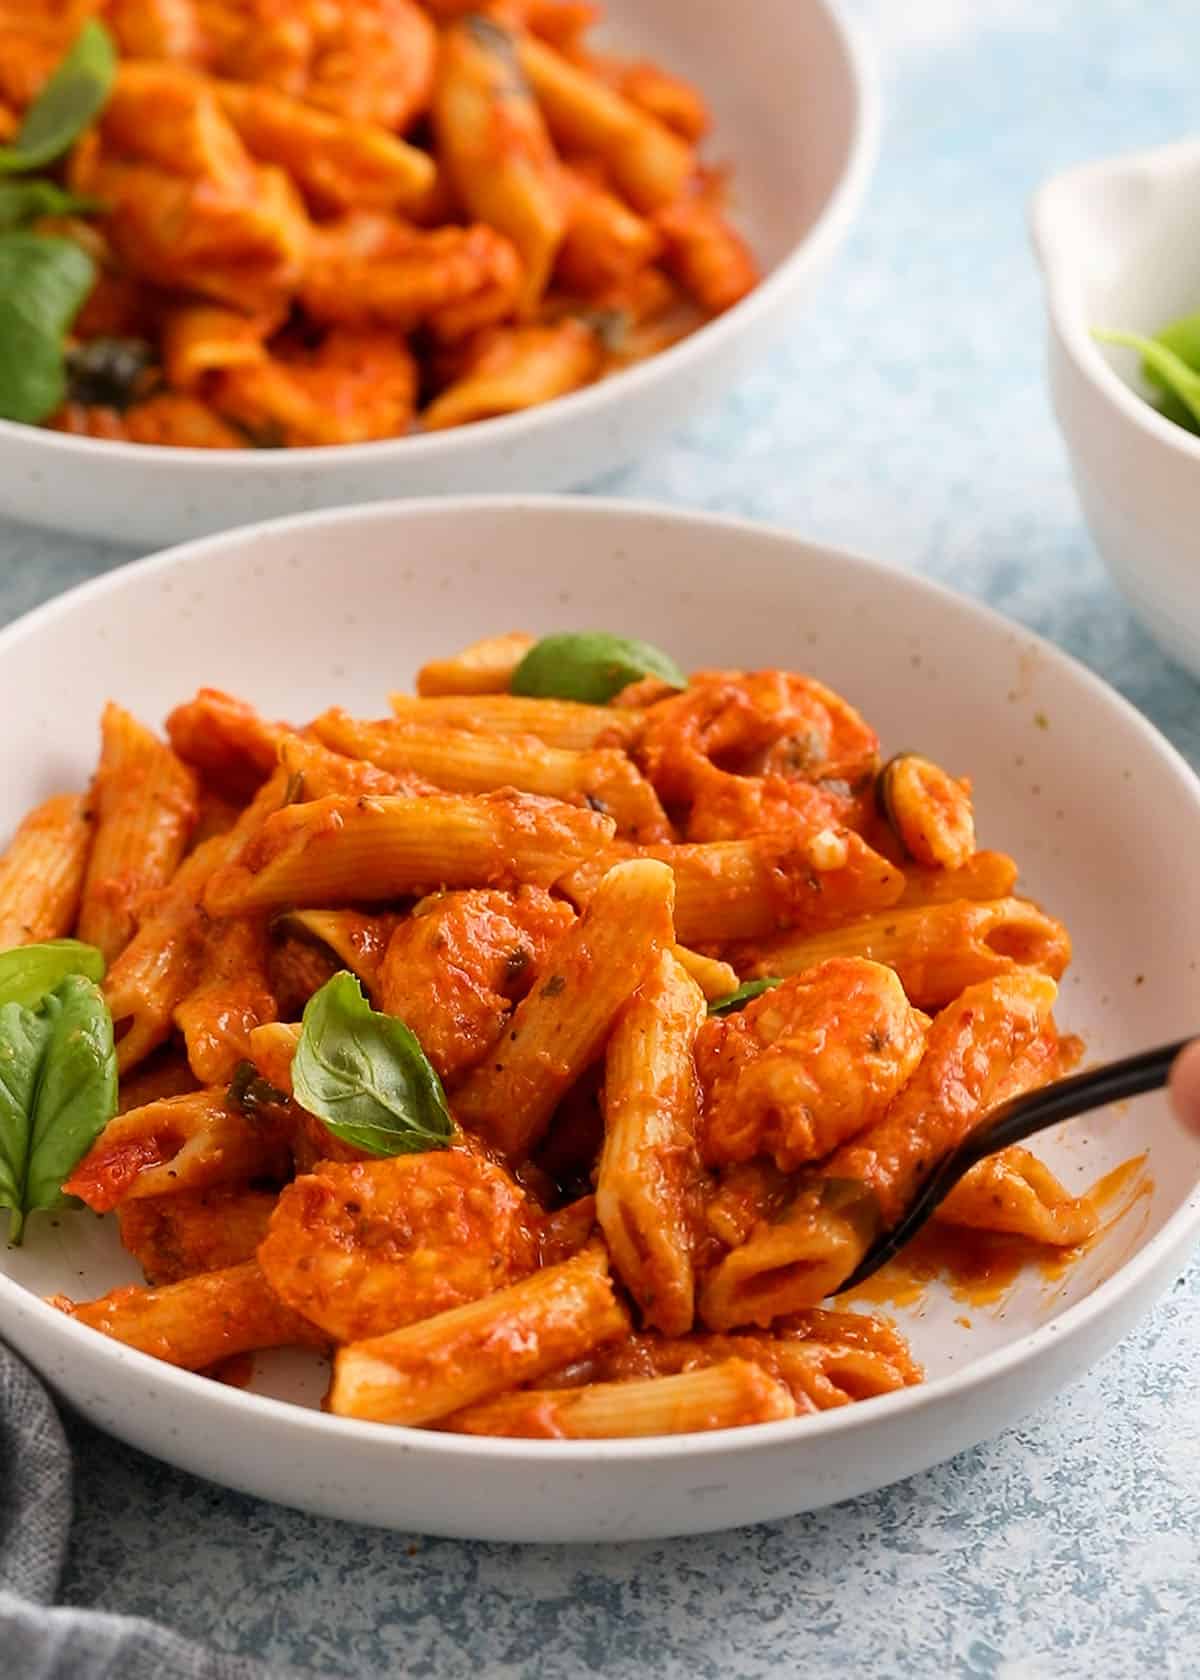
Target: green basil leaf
pixel 366 1076
pixel 75 93
pixel 590 665
pixel 43 283
pixel 22 202
pixel 1167 370
pixel 58 1090
pixel 746 992
pixel 28 972
pixel 1182 338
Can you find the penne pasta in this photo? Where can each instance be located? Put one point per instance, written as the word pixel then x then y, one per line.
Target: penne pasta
pixel 485 667
pixel 1016 1193
pixel 559 723
pixel 985 875
pixel 465 762
pixel 343 850
pixel 560 1028
pixel 198 1321
pixel 819 1238
pixel 493 142
pixel 647 1180
pixel 145 803
pixel 727 1395
pixel 41 873
pixel 706 254
pixel 715 979
pixel 937 949
pixel 649 164
pixel 231 997
pixel 443 1364
pixel 357 941
pixel 729 890
pixel 177 1143
pixel 518 368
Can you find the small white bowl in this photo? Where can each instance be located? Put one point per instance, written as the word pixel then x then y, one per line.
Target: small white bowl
pixel 795 114
pixel 1119 246
pixel 342 606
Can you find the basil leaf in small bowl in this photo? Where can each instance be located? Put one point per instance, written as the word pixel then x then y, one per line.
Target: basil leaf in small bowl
pixel 590 665
pixel 22 202
pixel 58 1090
pixel 746 993
pixel 75 94
pixel 366 1076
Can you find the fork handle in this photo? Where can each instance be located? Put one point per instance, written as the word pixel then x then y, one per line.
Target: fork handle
pixel 1082 1092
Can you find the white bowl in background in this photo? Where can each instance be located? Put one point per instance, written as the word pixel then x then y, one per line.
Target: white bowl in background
pixel 342 607
pixel 795 114
pixel 1119 246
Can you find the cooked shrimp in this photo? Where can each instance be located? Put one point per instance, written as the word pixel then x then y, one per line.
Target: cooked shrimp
pixel 364 1247
pixel 456 968
pixel 743 751
pixel 807 1065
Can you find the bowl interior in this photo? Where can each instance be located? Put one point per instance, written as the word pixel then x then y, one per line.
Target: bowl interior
pixel 341 607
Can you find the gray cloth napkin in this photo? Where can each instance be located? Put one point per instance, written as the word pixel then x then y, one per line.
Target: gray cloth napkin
pixel 38 1642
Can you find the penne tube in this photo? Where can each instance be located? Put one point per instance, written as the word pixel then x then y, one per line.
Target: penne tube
pixel 198 1321
pixel 493 142
pixel 357 941
pixel 484 667
pixel 1016 1193
pixel 177 1236
pixel 442 1364
pixel 231 997
pixel 161 964
pixel 344 850
pixel 649 165
pixel 706 254
pixel 145 802
pixel 203 338
pixel 649 1165
pixel 464 762
pixel 715 979
pixel 227 741
pixel 817 1240
pixel 559 723
pixel 729 890
pixel 936 949
pixel 606 242
pixel 565 1231
pixel 727 1395
pixel 518 368
pixel 178 1143
pixel 339 163
pixel 560 1028
pixel 985 875
pixel 271 1048
pixel 676 103
pixel 41 873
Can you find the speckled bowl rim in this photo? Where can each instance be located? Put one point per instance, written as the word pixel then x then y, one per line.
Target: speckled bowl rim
pixel 824 235
pixel 1061 272
pixel 1180 1232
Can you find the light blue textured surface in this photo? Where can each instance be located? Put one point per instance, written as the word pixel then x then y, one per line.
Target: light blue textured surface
pixel 908 420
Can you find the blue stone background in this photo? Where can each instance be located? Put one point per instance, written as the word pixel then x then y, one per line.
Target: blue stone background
pixel 907 419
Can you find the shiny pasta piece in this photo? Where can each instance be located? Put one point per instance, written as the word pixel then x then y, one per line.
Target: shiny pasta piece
pixel 366 1247
pixel 518 368
pixel 484 667
pixel 1016 1193
pixel 42 870
pixel 706 254
pixel 357 385
pixel 231 997
pixel 199 1320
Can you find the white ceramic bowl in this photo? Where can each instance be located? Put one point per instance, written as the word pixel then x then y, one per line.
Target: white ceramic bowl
pixel 1119 245
pixel 795 113
pixel 342 606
